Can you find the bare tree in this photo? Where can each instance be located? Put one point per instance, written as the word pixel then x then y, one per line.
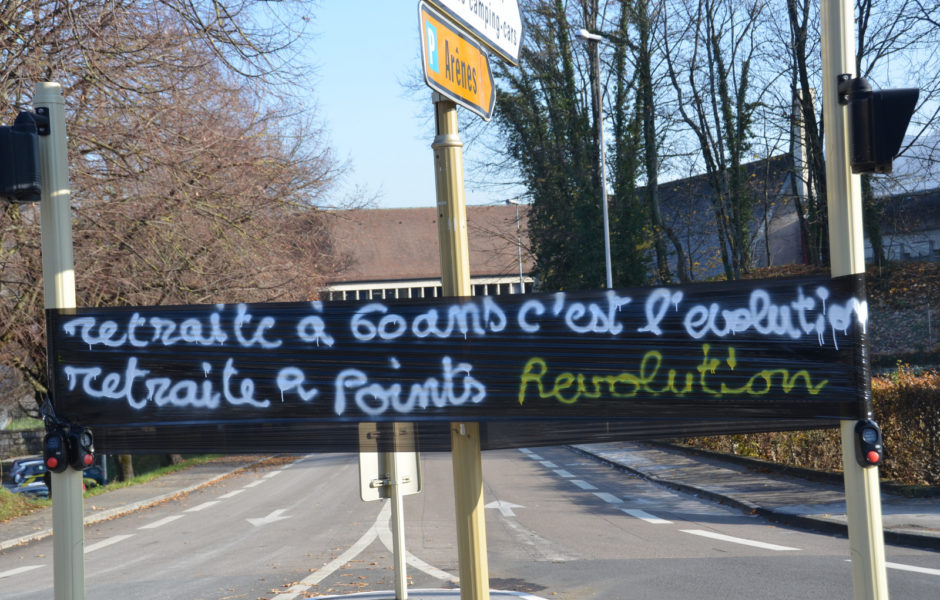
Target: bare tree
pixel 195 167
pixel 712 48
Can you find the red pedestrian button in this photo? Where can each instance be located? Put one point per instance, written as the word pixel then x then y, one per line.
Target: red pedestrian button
pixel 52 462
pixel 873 457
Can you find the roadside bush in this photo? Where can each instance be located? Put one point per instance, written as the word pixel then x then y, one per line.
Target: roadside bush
pixel 907 406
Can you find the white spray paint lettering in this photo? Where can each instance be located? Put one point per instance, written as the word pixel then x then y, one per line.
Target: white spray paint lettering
pixel 374 399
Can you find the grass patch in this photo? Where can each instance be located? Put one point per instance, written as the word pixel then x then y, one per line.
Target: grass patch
pixel 24 424
pixel 17 505
pixel 150 475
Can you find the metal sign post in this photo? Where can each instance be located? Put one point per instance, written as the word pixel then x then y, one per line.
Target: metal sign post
pixel 59 286
pixel 455 277
pixel 384 472
pixel 847 255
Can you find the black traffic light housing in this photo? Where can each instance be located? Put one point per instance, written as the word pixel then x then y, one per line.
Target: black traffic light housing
pixel 65 445
pixel 19 156
pixel 81 448
pixel 877 123
pixel 868 445
pixel 55 451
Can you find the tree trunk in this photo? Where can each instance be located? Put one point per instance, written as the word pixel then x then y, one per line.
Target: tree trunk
pixel 126 464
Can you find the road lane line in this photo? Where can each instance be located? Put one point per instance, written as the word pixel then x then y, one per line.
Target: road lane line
pixel 161 522
pixel 645 516
pixel 107 542
pixel 535 456
pixel 254 483
pixel 737 540
pixel 525 451
pixel 608 498
pixel 231 494
pixel 549 464
pixel 583 484
pixel 326 570
pixel 890 565
pixel 272 474
pixel 18 570
pixel 385 536
pixel 202 506
pixel 563 473
pixel 543 549
pixel 912 568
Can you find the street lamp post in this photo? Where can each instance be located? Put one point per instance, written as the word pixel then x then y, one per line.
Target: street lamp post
pixel 515 202
pixel 593 39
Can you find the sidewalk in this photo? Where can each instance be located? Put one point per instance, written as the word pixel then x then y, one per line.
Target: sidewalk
pixel 38 524
pixel 768 490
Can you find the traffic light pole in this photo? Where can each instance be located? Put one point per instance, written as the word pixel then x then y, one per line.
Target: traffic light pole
pixel 455 278
pixel 59 291
pixel 847 256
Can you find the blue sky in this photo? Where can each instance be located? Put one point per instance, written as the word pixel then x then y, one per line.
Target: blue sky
pixel 364 52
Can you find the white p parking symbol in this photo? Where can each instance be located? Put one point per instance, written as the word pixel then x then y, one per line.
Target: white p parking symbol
pixel 430 35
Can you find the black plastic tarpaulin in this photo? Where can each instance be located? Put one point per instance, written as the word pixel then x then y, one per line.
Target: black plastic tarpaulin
pixel 533 369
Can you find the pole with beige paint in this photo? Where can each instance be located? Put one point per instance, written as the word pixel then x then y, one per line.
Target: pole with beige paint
pixel 58 273
pixel 847 256
pixel 455 278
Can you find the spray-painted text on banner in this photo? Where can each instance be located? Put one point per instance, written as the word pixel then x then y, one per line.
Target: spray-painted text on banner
pixel 746 350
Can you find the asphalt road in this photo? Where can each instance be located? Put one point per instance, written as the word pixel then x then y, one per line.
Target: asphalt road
pixel 559 525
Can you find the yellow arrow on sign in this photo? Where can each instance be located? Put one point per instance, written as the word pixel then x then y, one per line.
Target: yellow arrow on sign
pixel 455 65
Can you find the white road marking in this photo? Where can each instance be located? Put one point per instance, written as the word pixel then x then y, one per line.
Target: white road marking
pixel 202 506
pixel 17 571
pixel 328 569
pixel 272 474
pixel 645 516
pixel 737 540
pixel 890 565
pixel 608 498
pixel 380 529
pixel 563 473
pixel 505 508
pixel 385 536
pixel 231 494
pixel 549 464
pixel 525 451
pixel 535 456
pixel 107 542
pixel 541 549
pixel 254 483
pixel 273 517
pixel 583 484
pixel 161 522
pixel 912 568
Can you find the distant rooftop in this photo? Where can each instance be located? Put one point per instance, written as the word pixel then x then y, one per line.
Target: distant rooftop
pixel 400 244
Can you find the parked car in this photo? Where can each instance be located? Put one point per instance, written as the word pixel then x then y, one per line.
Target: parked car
pixel 93 476
pixel 25 468
pixel 17 465
pixel 34 485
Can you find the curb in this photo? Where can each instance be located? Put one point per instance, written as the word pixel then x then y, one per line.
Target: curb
pixel 898 538
pixel 792 471
pixel 128 508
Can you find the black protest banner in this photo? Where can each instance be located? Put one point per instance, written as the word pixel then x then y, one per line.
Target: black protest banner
pixel 610 364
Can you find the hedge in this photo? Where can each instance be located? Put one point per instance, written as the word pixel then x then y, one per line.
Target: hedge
pixel 907 406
